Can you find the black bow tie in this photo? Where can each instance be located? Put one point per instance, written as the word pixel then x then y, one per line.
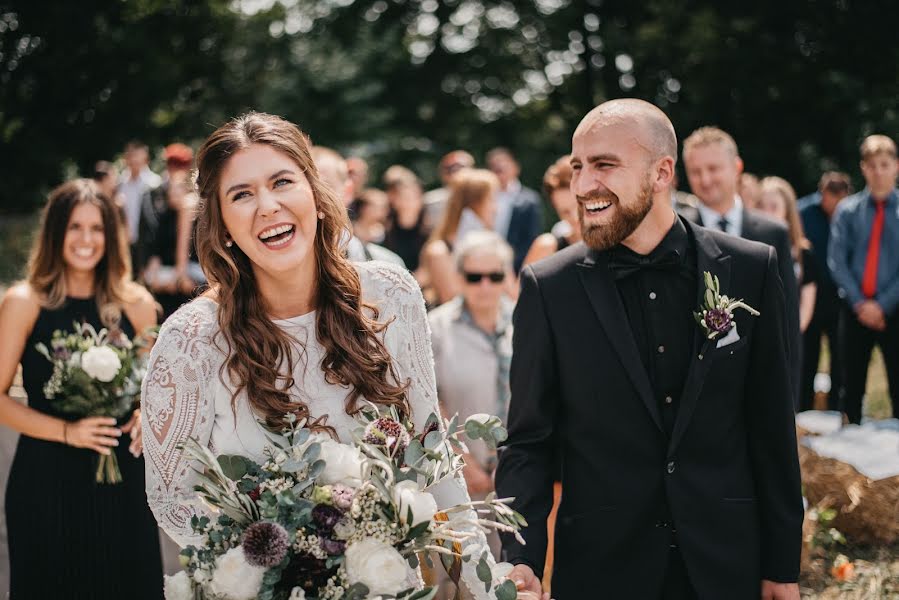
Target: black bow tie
pixel 623 264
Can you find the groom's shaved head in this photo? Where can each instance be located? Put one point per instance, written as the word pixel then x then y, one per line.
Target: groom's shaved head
pixel 653 129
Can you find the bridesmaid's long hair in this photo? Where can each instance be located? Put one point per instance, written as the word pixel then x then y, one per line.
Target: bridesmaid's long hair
pixel 260 360
pixel 469 188
pixel 112 275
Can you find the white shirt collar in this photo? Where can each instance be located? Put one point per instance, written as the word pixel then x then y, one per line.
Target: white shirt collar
pixel 734 216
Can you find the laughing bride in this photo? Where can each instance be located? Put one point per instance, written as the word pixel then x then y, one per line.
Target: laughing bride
pixel 288 324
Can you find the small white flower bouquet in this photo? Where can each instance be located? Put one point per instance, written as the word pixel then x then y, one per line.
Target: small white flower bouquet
pixel 321 520
pixel 96 374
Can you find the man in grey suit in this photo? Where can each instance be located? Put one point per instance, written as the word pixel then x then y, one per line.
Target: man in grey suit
pixel 714 166
pixel 519 214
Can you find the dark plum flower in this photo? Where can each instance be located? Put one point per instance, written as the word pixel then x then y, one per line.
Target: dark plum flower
pixel 326 517
pixel 386 432
pixel 265 544
pixel 333 547
pixel 308 572
pixel 718 320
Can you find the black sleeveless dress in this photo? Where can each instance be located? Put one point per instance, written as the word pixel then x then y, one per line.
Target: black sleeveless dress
pixel 70 537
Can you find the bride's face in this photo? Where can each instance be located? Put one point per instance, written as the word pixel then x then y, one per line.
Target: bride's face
pixel 269 211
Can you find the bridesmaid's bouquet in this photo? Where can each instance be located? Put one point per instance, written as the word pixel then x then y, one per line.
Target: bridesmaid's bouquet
pixel 95 374
pixel 324 520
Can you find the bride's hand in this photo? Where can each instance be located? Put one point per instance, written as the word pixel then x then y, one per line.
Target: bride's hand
pixel 133 428
pixel 527 584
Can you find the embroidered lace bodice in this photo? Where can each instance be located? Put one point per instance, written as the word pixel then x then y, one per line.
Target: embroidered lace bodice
pixel 187 394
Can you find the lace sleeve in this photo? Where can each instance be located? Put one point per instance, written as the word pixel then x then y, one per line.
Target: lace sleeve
pixel 408 339
pixel 177 405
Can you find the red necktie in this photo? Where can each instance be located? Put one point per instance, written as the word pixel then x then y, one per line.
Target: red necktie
pixel 869 280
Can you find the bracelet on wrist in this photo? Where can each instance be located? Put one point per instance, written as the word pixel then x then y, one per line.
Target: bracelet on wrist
pixel 65 433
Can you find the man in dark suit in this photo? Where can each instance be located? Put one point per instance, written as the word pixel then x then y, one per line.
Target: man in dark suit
pixel 713 167
pixel 519 212
pixel 678 452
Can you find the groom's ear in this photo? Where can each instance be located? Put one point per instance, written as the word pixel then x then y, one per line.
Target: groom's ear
pixel 663 174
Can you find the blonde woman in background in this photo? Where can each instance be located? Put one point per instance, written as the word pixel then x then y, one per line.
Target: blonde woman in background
pixel 778 200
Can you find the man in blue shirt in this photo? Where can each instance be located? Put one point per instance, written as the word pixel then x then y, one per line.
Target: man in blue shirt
pixel 816 216
pixel 864 260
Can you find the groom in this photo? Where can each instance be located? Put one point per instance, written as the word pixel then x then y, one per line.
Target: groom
pixel 678 453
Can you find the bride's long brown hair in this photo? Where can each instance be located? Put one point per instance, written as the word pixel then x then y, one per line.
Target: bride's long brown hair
pixel 260 360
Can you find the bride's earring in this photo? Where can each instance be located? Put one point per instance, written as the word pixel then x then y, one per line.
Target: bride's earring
pixel 228 241
pixel 321 215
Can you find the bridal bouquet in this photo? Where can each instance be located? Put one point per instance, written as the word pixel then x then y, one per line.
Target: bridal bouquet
pixel 329 521
pixel 95 374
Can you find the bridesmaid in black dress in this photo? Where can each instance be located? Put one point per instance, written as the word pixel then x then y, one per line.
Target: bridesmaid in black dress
pixel 70 537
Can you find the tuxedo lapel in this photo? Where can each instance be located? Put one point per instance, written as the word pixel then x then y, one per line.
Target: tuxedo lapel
pixel 708 258
pixel 603 295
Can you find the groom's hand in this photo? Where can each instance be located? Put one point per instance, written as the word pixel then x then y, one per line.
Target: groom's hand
pixel 525 581
pixel 772 590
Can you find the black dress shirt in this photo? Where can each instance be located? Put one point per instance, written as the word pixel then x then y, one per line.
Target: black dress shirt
pixel 659 303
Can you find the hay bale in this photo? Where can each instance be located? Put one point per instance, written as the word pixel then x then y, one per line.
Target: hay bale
pixel 868 511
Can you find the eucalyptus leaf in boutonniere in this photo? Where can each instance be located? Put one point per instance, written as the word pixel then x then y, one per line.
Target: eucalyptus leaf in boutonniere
pixel 716 315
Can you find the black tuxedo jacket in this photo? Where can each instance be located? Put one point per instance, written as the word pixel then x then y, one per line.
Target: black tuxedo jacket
pixel 729 473
pixel 760 228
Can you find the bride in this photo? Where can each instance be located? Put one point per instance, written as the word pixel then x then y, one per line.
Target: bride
pixel 288 324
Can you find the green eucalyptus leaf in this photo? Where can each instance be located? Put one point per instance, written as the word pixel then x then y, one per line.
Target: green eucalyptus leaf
pixel 506 591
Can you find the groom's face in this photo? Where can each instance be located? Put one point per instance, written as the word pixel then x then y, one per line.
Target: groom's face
pixel 611 181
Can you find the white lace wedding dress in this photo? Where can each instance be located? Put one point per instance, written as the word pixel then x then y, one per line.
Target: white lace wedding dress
pixel 187 394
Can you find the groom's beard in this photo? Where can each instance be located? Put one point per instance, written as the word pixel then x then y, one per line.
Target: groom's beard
pixel 624 223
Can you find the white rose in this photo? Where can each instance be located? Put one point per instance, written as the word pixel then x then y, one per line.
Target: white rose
pixel 101 363
pixel 343 464
pixel 178 587
pixel 376 565
pixel 297 593
pixel 406 495
pixel 234 578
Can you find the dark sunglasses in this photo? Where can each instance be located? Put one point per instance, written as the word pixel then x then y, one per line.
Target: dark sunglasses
pixel 496 277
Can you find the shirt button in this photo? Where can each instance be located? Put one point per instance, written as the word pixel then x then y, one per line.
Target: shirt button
pixel 652 295
pixel 671 467
pixel 668 399
pixel 661 349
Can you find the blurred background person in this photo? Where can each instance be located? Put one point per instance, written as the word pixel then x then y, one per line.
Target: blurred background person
pixel 778 200
pixel 519 212
pixel 357 171
pixel 406 230
pixel 436 199
pixel 865 264
pixel 556 187
pixel 137 180
pixel 750 190
pixel 472 340
pixel 333 171
pixel 372 211
pixel 106 175
pixel 68 536
pixel 471 207
pixel 166 237
pixel 816 216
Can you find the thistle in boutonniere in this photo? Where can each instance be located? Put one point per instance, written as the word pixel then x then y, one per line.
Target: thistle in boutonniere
pixel 715 316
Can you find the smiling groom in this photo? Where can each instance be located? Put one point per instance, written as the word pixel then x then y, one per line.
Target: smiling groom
pixel 675 431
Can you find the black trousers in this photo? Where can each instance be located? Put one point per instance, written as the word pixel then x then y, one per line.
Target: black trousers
pixel 857 342
pixel 823 323
pixel 677 581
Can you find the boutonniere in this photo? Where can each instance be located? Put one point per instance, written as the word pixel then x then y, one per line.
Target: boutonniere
pixel 716 315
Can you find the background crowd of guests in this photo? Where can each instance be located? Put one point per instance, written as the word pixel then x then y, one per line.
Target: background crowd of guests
pixel 466 241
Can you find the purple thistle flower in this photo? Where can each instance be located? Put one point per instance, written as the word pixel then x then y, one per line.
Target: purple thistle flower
pixel 326 517
pixel 333 547
pixel 388 433
pixel 718 320
pixel 265 544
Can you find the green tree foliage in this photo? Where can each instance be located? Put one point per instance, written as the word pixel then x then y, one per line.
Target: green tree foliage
pixel 798 82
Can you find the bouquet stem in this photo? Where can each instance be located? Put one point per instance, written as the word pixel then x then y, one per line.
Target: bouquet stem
pixel 108 469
